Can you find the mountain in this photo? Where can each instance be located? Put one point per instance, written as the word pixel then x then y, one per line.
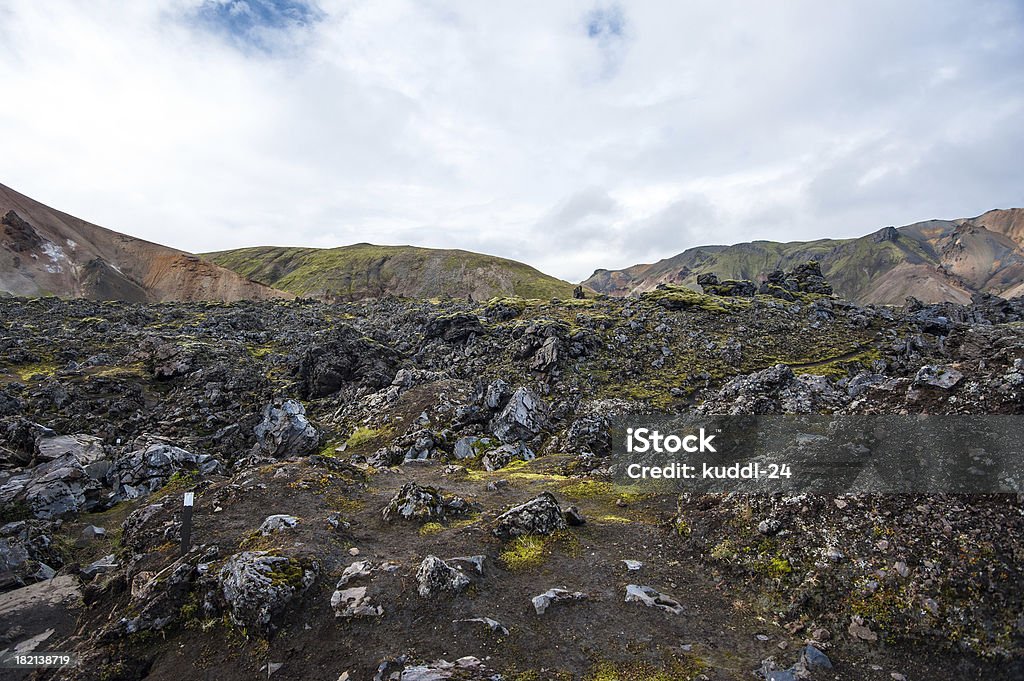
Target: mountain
pixel 368 271
pixel 46 252
pixel 936 260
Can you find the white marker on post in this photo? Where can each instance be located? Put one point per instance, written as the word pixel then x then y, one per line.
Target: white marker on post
pixel 186 523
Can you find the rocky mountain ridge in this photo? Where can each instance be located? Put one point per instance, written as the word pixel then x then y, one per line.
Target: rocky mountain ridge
pixel 933 261
pixel 46 252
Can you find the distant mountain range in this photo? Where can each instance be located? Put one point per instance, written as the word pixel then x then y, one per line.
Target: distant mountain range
pixel 46 252
pixel 933 261
pixel 368 271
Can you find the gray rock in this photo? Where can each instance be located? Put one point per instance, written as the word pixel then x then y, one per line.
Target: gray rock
pixel 652 598
pixel 144 471
pixel 468 447
pixel 276 523
pixel 464 668
pixel 813 658
pixel 477 562
pixel 542 602
pixel 102 566
pixel 86 448
pixel 783 675
pixel 540 515
pixel 573 517
pixel 354 602
pixel 940 377
pixel 414 502
pixel 55 489
pixel 523 418
pixel 499 457
pixel 285 431
pixel 546 357
pixel 497 394
pixel 257 586
pixel 436 577
pixel 91 533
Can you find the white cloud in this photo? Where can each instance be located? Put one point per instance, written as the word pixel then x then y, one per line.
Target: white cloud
pixel 571 135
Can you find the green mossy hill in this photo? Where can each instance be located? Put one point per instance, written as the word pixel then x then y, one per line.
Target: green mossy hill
pixel 368 271
pixel 936 260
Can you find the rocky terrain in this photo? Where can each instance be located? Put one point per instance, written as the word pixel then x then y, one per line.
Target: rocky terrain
pixel 934 261
pixel 419 490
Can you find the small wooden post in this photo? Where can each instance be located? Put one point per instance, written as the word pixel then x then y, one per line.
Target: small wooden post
pixel 186 523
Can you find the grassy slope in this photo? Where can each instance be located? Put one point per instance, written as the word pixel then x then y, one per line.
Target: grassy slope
pixel 364 270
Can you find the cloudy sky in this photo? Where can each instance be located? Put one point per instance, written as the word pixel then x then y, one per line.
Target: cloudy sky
pixel 570 135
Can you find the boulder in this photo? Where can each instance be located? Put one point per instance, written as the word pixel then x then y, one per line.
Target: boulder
pixel 941 377
pixel 144 471
pixel 257 586
pixel 470 446
pixel 277 523
pixel 523 418
pixel 346 356
pixel 496 394
pixel 415 502
pixel 499 457
pixel 285 431
pixel 454 328
pixel 55 489
pixel 546 357
pixel 775 390
pixel 540 515
pixel 435 576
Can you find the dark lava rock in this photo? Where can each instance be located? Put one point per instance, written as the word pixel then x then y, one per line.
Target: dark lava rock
pixel 285 431
pixel 523 418
pixel 257 586
pixel 454 328
pixel 347 357
pixel 144 471
pixel 540 515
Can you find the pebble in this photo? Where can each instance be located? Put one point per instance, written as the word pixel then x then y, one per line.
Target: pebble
pixel 353 551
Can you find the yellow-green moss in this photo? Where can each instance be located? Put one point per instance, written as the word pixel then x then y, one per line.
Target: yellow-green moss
pixel 364 434
pixel 676 669
pixel 524 553
pixel 428 529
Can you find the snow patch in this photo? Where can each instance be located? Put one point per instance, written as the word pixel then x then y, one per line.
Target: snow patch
pixel 55 254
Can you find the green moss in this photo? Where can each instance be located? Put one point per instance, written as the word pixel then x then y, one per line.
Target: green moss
pixel 601 490
pixel 683 298
pixel 288 573
pixel 777 567
pixel 676 669
pixel 724 550
pixel 364 434
pixel 27 372
pixel 524 553
pixel 432 528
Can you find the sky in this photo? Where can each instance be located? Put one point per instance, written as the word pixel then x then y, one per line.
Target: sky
pixel 569 135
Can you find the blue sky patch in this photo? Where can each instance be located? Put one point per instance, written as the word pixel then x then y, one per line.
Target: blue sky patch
pixel 257 23
pixel 605 24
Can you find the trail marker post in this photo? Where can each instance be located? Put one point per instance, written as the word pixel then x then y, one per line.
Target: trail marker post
pixel 186 522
